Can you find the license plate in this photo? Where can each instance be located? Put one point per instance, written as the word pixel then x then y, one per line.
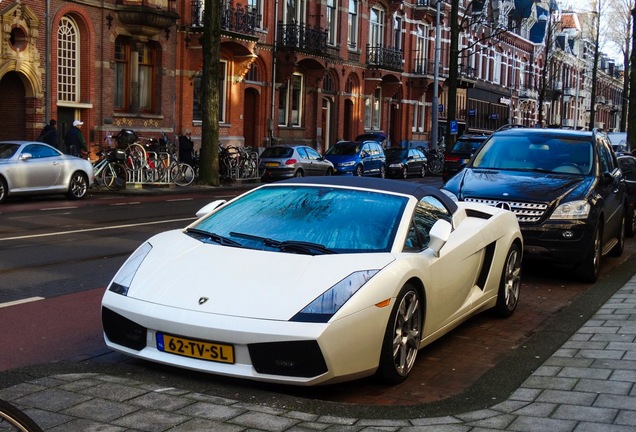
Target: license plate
pixel 203 350
pixel 271 164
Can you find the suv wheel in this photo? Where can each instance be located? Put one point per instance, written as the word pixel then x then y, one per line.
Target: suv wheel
pixel 382 171
pixel 589 269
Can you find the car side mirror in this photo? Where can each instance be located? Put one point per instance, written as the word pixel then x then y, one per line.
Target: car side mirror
pixel 439 235
pixel 209 208
pixel 26 156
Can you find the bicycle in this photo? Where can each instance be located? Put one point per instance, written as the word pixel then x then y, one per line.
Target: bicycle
pixel 110 170
pixel 14 419
pixel 435 161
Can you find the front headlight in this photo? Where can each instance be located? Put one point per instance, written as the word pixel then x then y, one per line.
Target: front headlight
pixel 345 164
pixel 324 307
pixel 395 165
pixel 573 210
pixel 123 278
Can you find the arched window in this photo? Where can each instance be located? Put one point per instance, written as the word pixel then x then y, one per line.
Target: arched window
pixel 68 64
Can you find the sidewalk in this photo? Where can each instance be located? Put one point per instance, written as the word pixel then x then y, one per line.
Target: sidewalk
pixel 587 385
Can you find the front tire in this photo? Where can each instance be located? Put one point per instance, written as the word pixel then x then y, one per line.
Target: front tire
pixel 359 171
pixel 590 268
pixel 78 186
pixel 510 284
pixel 402 337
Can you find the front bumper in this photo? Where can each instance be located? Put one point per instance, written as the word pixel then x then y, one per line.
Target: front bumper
pixel 564 242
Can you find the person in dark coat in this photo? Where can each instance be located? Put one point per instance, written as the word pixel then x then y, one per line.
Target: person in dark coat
pixel 75 140
pixel 49 134
pixel 186 148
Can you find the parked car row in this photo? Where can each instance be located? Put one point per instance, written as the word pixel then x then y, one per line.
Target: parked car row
pixel 365 156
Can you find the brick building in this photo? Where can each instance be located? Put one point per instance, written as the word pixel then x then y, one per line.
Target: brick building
pixel 303 71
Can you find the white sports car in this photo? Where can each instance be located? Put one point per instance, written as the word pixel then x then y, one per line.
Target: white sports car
pixel 314 280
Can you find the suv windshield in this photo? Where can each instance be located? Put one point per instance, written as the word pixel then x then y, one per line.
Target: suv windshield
pixel 567 155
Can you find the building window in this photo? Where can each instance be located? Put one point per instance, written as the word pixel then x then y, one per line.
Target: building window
pixel 352 34
pixel 144 80
pixel 290 101
pixel 397 32
pixel 372 110
pixel 376 27
pixel 68 70
pixel 197 94
pixel 419 112
pixel 421 49
pixel 332 22
pixel 257 7
pixel 252 73
pixel 497 68
pixel 295 11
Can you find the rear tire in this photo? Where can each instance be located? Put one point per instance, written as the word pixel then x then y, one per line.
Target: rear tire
pixel 510 284
pixel 402 337
pixel 4 190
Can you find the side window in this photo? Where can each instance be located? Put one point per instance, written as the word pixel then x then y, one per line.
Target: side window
pixel 312 154
pixel 366 149
pixel 606 158
pixel 302 152
pixel 428 211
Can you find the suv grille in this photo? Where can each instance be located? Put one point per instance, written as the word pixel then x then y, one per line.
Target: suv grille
pixel 525 212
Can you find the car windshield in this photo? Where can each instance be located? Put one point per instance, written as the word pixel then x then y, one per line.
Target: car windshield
pixel 557 154
pixel 344 149
pixel 466 146
pixel 396 153
pixel 336 219
pixel 7 150
pixel 277 152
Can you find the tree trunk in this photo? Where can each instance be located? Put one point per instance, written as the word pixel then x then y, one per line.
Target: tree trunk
pixel 209 162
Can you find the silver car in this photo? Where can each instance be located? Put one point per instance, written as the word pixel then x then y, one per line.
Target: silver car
pixel 286 161
pixel 28 167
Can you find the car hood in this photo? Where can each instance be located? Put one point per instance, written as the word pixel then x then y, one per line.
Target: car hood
pixel 517 185
pixel 335 159
pixel 181 270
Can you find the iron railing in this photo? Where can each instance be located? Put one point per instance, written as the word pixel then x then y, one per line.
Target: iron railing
pixel 384 57
pixel 302 37
pixel 237 19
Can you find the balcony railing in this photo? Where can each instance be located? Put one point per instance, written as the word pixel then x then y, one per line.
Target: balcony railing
pixel 237 19
pixel 383 57
pixel 302 37
pixel 467 72
pixel 527 93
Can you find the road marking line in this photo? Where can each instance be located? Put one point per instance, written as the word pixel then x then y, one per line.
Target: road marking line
pixel 97 229
pixel 179 199
pixel 58 208
pixel 17 302
pixel 126 203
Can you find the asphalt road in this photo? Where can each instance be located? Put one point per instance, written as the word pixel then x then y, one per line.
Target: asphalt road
pixel 66 254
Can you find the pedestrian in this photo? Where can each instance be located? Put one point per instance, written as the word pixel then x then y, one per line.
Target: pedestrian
pixel 49 134
pixel 186 148
pixel 75 140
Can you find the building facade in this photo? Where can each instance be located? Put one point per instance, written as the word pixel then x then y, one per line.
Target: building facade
pixel 297 71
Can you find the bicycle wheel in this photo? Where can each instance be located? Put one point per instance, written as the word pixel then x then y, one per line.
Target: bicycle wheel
pixel 182 174
pixel 136 157
pixel 14 419
pixel 435 166
pixel 114 176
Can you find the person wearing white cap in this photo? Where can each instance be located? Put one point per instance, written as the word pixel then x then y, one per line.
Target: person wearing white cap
pixel 75 140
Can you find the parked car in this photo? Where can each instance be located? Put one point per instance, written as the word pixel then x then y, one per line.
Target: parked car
pixel 564 186
pixel 28 167
pixel 627 164
pixel 359 158
pixel 285 161
pixel 363 260
pixel 402 162
pixel 619 141
pixel 461 152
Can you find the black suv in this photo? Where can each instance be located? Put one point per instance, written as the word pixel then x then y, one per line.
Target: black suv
pixel 564 186
pixel 458 156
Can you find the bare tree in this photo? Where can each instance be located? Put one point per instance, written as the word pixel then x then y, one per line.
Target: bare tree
pixel 619 34
pixel 209 162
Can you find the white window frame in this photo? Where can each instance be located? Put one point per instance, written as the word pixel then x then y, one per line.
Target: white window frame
pixel 68 61
pixel 421 48
pixel 352 33
pixel 291 100
pixel 332 22
pixel 295 12
pixel 376 27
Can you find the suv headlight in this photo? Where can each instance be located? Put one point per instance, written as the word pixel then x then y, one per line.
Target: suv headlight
pixel 573 210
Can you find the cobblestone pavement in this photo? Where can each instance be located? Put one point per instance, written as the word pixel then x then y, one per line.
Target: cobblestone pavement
pixel 589 384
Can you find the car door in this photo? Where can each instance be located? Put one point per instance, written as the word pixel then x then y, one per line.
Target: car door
pixel 451 277
pixel 611 188
pixel 366 154
pixel 317 162
pixel 413 162
pixel 38 167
